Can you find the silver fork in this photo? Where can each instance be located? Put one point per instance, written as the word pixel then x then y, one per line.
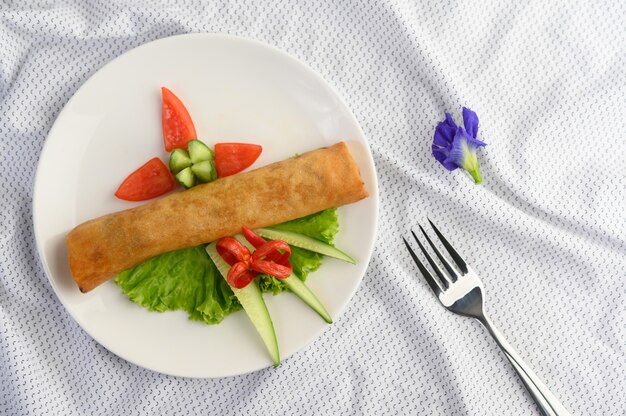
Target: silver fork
pixel 459 289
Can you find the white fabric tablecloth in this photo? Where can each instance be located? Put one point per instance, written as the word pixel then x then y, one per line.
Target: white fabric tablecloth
pixel 546 230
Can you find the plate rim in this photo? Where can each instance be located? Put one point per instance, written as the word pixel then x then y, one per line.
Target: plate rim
pixel 373 193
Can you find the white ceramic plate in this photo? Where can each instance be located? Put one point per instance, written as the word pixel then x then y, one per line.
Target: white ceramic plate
pixel 235 90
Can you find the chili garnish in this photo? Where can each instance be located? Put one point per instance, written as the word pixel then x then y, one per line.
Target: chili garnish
pixel 270 257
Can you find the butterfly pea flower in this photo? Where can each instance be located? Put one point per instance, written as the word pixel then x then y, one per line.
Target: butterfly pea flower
pixel 455 147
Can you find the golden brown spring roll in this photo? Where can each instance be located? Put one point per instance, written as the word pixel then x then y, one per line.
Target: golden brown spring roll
pixel 296 187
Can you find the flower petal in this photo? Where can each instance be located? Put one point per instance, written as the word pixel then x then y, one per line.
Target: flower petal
pixel 463 153
pixel 472 142
pixel 470 119
pixel 445 131
pixel 441 136
pixel 456 154
pixel 441 154
pixel 450 120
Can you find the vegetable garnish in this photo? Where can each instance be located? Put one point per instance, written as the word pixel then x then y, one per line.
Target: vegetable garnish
pixel 270 257
pixel 252 237
pixel 257 242
pixel 231 158
pixel 193 166
pixel 149 181
pixel 455 147
pixel 178 128
pixel 182 279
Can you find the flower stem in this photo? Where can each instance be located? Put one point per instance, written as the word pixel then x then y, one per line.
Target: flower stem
pixel 470 164
pixel 476 175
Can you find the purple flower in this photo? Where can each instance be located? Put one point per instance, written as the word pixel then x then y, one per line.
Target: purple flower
pixel 455 147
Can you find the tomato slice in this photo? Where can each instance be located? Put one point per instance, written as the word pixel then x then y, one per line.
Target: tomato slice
pixel 178 129
pixel 231 158
pixel 149 181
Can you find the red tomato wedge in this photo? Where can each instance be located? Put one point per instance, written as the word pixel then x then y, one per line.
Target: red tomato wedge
pixel 178 129
pixel 231 158
pixel 149 181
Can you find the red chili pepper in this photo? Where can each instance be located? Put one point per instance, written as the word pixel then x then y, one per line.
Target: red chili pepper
pixel 252 237
pixel 268 247
pixel 240 275
pixel 270 257
pixel 279 258
pixel 257 241
pixel 232 251
pixel 271 268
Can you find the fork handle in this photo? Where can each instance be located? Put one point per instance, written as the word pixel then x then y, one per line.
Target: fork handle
pixel 546 401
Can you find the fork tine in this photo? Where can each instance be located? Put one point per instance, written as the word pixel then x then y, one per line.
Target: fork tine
pixel 429 279
pixel 442 277
pixel 457 258
pixel 453 274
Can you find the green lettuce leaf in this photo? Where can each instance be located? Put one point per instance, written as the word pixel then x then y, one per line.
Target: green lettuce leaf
pixel 188 280
pixel 183 279
pixel 322 226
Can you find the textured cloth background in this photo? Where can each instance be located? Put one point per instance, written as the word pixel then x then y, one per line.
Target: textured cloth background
pixel 546 230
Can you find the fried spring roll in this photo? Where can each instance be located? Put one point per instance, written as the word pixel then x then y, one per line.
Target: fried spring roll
pixel 293 188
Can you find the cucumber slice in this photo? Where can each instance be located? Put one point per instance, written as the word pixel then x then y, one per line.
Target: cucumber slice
pixel 204 171
pixel 186 178
pixel 199 152
pixel 179 160
pixel 298 288
pixel 302 241
pixel 252 301
pixel 302 291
